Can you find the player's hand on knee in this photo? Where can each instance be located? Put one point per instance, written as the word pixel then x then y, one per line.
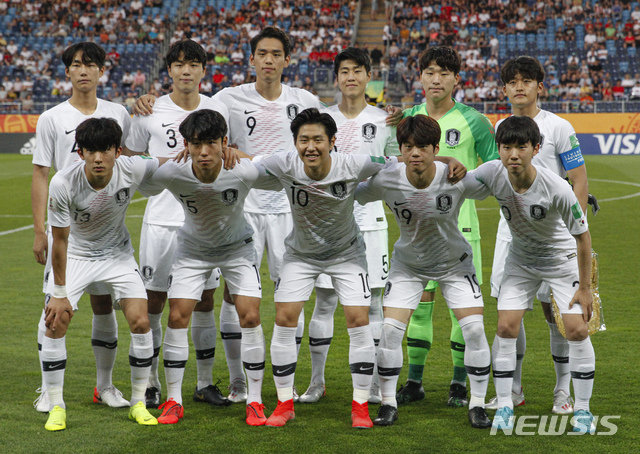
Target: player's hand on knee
pixel 585 299
pixel 58 313
pixel 40 248
pixel 144 105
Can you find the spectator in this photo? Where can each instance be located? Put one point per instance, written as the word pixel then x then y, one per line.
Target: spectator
pixel 635 92
pixel 127 80
pixel 618 90
pixel 139 79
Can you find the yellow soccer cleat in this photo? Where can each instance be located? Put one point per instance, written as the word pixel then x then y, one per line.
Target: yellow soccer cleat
pixel 139 414
pixel 57 419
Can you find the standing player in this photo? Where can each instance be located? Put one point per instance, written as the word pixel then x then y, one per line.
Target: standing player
pixel 361 130
pixel 467 135
pixel 431 247
pixel 523 79
pixel 56 147
pixel 215 233
pixel 158 133
pixel 91 247
pixel 544 217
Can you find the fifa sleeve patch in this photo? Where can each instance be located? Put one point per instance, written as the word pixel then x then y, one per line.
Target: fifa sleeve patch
pixel 379 159
pixel 577 211
pixel 572 158
pixel 53 204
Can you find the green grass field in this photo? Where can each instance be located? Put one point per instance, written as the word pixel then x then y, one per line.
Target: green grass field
pixel 426 426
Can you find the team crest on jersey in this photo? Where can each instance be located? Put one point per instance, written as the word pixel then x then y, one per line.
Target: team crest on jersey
pixel 538 212
pixel 229 196
pixel 369 131
pixel 292 111
pixel 505 212
pixel 122 196
pixel 339 189
pixel 443 202
pixel 452 137
pixel 147 273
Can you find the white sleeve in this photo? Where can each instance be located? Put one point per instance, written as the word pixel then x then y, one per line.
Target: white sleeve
pixel 370 165
pixel 570 210
pixel 45 142
pixel 472 188
pixel 139 135
pixel 126 125
pixel 370 190
pixel 58 206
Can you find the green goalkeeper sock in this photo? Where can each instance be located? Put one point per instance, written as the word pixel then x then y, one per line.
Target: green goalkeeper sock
pixel 457 352
pixel 419 338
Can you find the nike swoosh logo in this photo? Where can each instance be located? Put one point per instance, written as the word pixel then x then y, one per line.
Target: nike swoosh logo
pixel 113 344
pixel 170 364
pixel 367 296
pixel 253 366
pixel 476 297
pixel 69 132
pixel 399 203
pixel 247 112
pixel 208 355
pixel 284 370
pixel 364 369
pixel 53 367
pixel 185 196
pixel 168 124
pixel 295 183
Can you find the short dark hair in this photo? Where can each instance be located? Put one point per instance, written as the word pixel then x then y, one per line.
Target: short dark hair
pixel 98 134
pixel 527 67
pixel 190 50
pixel 313 116
pixel 358 55
pixel 444 56
pixel 272 32
pixel 91 53
pixel 205 124
pixel 421 129
pixel 518 129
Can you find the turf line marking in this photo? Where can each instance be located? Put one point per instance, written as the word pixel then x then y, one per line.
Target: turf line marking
pixel 7 232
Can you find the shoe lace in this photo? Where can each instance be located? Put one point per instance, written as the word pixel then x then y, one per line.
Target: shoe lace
pixel 42 393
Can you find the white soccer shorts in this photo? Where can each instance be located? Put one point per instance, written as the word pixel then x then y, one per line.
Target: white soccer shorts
pixel 270 231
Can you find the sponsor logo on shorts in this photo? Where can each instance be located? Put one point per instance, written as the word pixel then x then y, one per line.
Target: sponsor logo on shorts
pixel 229 196
pixel 443 202
pixel 292 111
pixel 538 212
pixel 505 212
pixel 122 196
pixel 339 189
pixel 369 131
pixel 452 137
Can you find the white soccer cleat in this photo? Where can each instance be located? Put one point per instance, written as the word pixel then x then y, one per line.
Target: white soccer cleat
pixel 313 394
pixel 375 396
pixel 42 403
pixel 562 404
pixel 516 398
pixel 110 396
pixel 238 391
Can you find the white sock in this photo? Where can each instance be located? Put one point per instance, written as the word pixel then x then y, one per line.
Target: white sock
pixel 231 335
pixel 582 361
pixel 361 354
pixel 175 353
pixel 283 351
pixel 504 364
pixel 376 317
pixel 390 359
pixel 560 354
pixel 42 329
pixel 253 359
pixel 140 354
pixel 321 331
pixel 203 334
pixel 155 322
pixel 299 332
pixel 477 357
pixel 104 341
pixel 54 362
pixel 521 348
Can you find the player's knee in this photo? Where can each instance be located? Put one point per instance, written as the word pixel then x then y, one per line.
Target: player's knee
pixel 249 319
pixel 473 333
pixel 139 324
pixel 576 332
pixel 508 329
pixel 179 317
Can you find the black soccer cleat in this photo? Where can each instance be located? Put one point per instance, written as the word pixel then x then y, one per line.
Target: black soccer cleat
pixel 478 418
pixel 457 396
pixel 412 391
pixel 211 395
pixel 152 397
pixel 387 415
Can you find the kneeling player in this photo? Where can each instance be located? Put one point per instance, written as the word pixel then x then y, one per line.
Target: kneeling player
pixel 544 217
pixel 215 234
pixel 92 249
pixel 430 247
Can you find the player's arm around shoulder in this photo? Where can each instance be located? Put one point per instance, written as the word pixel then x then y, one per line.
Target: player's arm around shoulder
pixel 265 178
pixel 472 188
pixel 371 189
pixel 157 175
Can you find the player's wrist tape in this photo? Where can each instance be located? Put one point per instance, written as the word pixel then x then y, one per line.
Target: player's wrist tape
pixel 59 291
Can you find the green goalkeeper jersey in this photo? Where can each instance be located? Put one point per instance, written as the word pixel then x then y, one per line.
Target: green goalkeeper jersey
pixel 466 135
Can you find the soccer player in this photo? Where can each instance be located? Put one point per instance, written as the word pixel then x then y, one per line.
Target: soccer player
pixel 559 152
pixel 431 247
pixel 92 247
pixel 158 133
pixel 362 129
pixel 467 135
pixel 215 234
pixel 55 147
pixel 544 216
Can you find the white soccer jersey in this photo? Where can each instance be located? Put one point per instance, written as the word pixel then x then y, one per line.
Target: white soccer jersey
pixel 261 128
pixel 430 240
pixel 56 132
pixel 542 220
pixel 158 134
pixel 96 218
pixel 366 134
pixel 322 211
pixel 214 212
